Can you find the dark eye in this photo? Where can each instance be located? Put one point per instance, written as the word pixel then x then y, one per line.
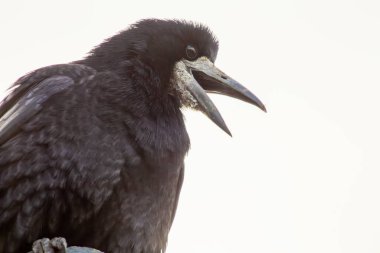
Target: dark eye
pixel 191 53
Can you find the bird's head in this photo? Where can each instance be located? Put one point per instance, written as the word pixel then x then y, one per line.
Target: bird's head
pixel 182 54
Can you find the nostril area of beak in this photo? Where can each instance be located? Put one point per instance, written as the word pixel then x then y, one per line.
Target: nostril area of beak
pixel 224 76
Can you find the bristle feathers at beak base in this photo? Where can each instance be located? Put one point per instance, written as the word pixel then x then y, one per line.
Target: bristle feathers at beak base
pixel 192 79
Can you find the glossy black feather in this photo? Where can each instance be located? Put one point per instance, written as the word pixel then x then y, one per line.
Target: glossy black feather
pixel 93 151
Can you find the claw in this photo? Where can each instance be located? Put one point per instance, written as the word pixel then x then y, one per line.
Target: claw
pixel 55 245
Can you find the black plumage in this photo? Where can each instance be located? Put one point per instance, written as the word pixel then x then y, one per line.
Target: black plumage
pixel 93 151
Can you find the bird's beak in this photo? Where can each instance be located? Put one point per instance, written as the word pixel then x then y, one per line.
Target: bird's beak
pixel 201 76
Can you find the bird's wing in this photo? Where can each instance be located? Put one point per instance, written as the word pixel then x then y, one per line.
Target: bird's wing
pixel 27 177
pixel 28 94
pixel 30 104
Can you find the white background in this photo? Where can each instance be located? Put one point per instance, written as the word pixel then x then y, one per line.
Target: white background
pixel 302 178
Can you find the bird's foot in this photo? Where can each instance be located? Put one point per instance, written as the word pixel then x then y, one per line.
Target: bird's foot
pixel 45 245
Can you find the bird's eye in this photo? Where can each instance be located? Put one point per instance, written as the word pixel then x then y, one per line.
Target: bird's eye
pixel 191 52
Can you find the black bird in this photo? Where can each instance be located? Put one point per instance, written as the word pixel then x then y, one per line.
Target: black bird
pixel 94 150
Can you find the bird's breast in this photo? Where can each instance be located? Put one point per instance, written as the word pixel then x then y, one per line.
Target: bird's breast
pixel 150 188
pixel 147 202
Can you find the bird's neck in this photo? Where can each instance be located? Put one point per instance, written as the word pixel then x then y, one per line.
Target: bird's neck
pixel 152 113
pixel 140 79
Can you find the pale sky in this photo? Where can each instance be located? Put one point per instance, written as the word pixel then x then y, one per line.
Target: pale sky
pixel 301 178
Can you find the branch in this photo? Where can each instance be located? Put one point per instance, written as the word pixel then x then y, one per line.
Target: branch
pixel 75 249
